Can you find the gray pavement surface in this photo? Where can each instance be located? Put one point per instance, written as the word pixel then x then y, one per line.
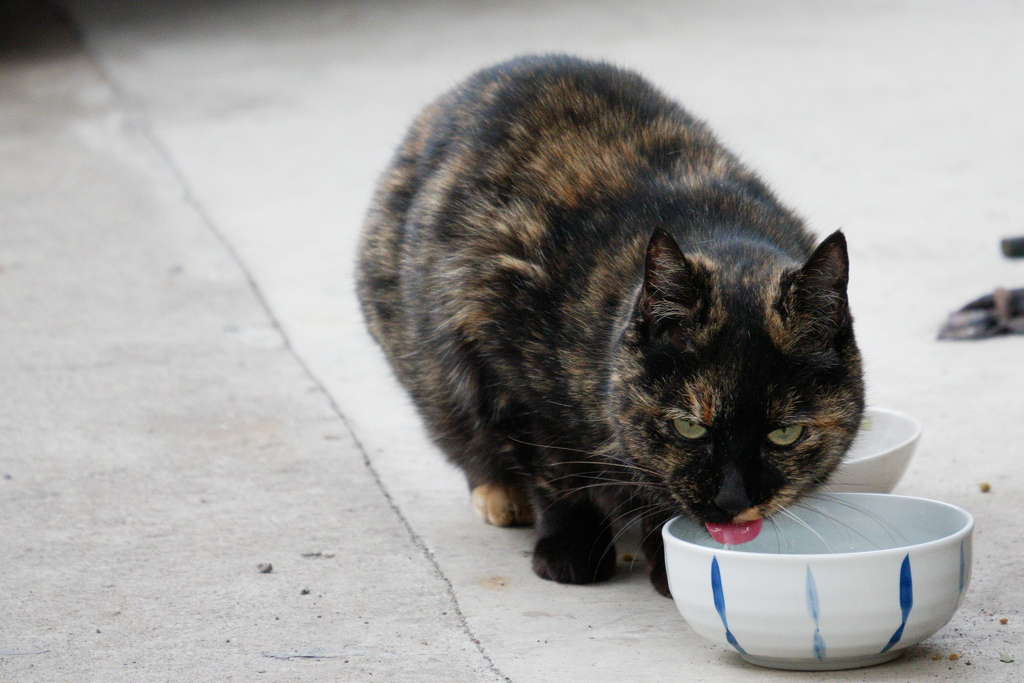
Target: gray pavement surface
pixel 187 390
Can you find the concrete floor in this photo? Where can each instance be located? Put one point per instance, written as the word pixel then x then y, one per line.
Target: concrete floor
pixel 188 390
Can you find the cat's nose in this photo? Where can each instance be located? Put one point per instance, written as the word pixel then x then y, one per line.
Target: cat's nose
pixel 732 497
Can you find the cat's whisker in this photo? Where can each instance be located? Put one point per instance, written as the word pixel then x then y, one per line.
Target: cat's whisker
pixel 595 486
pixel 834 522
pixel 605 461
pixel 622 468
pixel 883 523
pixel 654 483
pixel 779 532
pixel 792 515
pixel 633 516
pixel 600 459
pixel 639 507
pixel 622 530
pixel 655 529
pixel 557 448
pixel 607 480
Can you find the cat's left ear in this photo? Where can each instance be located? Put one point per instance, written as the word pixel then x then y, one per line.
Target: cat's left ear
pixel 817 298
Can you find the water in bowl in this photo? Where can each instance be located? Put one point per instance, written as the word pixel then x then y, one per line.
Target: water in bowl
pixel 830 525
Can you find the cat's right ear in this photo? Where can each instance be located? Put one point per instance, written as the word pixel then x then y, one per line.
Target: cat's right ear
pixel 814 303
pixel 676 290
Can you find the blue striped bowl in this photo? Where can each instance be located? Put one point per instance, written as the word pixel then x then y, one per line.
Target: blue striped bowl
pixel 839 581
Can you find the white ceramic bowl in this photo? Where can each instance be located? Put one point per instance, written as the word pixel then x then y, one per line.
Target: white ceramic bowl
pixel 838 582
pixel 880 453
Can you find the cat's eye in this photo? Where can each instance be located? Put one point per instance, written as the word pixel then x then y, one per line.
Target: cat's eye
pixel 786 436
pixel 688 429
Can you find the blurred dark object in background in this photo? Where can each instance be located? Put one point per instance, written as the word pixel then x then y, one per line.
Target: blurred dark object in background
pixel 1001 312
pixel 34 31
pixel 1013 247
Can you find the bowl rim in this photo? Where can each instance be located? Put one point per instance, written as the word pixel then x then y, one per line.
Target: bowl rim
pixel 914 422
pixel 748 556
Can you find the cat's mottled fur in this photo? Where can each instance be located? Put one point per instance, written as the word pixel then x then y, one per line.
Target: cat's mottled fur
pixel 562 265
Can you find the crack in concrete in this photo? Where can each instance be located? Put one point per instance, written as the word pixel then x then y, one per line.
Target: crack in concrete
pixel 142 124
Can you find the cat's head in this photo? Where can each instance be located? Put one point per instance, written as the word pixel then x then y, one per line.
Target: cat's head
pixel 737 385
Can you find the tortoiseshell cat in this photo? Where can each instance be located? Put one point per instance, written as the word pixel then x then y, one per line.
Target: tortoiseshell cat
pixel 600 312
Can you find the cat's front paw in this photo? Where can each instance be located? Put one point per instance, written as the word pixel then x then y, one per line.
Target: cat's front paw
pixel 573 559
pixel 502 505
pixel 659 579
pixel 654 550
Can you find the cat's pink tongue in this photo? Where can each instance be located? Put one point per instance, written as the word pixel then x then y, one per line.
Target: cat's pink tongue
pixel 730 533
